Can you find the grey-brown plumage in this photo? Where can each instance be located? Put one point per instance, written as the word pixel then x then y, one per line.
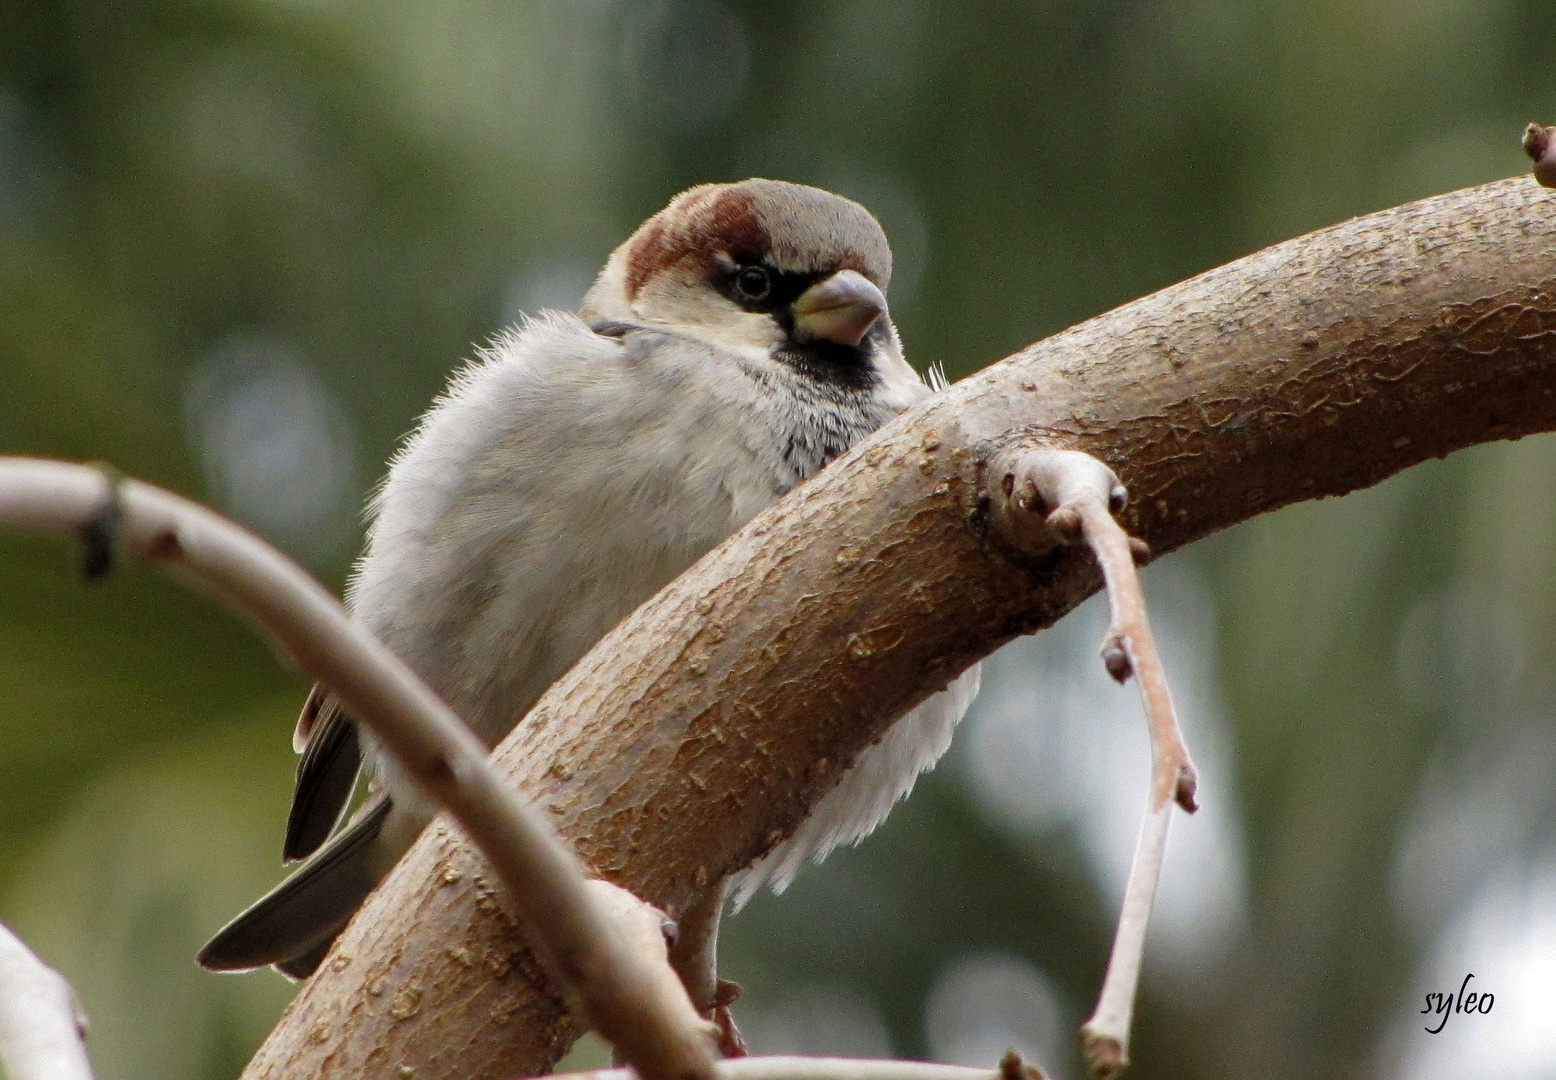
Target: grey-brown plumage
pixel 735 344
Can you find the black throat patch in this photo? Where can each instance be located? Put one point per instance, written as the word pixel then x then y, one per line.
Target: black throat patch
pixel 850 367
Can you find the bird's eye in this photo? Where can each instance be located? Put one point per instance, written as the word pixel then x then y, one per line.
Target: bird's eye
pixel 753 283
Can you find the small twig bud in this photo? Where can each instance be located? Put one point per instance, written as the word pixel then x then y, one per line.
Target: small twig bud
pixel 1104 1055
pixel 1140 550
pixel 1535 140
pixel 1066 524
pixel 1540 144
pixel 1013 1068
pixel 1029 499
pixel 726 993
pixel 1188 784
pixel 100 534
pixel 1116 659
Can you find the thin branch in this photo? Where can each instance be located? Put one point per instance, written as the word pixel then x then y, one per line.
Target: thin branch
pixel 591 934
pixel 785 1067
pixel 1129 646
pixel 42 1027
pixel 1041 498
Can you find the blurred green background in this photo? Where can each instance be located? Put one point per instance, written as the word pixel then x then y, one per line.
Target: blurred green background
pixel 243 243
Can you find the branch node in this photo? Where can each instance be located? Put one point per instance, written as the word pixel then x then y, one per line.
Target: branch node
pixel 1187 786
pixel 1105 1056
pixel 1140 550
pixel 726 993
pixel 1029 499
pixel 1012 1067
pixel 1035 505
pixel 1066 525
pixel 100 532
pixel 1115 657
pixel 1540 144
pixel 165 546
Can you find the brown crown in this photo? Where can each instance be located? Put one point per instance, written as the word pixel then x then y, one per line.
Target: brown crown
pixel 796 227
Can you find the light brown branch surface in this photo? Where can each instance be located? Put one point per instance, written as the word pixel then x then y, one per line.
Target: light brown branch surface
pixel 701 730
pixel 41 1025
pixel 603 944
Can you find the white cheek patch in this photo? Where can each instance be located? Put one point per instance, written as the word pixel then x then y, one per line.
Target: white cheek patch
pixel 698 310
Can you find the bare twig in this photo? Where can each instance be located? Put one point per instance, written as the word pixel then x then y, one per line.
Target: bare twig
pixel 592 935
pixel 41 1025
pixel 784 1067
pixel 1043 497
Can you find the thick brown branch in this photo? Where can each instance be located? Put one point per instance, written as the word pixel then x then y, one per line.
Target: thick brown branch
pixel 700 731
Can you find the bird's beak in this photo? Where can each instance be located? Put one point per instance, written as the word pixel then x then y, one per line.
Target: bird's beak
pixel 840 309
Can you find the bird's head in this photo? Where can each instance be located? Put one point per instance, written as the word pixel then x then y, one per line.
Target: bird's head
pixel 791 270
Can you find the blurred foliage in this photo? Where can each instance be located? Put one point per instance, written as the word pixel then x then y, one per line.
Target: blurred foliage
pixel 328 201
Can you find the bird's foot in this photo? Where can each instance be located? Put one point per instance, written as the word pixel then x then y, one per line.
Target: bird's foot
pixel 731 1045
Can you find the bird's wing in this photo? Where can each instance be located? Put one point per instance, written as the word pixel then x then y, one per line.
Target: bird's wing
pixel 326 774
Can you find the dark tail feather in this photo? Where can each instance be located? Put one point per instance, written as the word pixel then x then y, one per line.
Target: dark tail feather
pixel 300 967
pixel 325 776
pixel 292 925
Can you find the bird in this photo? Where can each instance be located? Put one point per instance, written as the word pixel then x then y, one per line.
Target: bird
pixel 731 347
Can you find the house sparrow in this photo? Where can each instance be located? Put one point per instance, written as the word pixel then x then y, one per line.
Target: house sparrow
pixel 734 345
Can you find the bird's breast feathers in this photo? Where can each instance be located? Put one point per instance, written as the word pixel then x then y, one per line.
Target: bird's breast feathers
pixel 564 478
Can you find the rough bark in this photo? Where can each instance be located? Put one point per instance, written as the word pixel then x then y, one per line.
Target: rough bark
pixel 698 733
